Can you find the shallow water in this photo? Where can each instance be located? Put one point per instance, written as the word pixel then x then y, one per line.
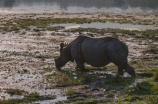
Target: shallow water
pixel 108 24
pixel 59 98
pixel 25 76
pixel 73 6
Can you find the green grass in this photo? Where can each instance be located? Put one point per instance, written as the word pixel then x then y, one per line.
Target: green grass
pixel 152 50
pixel 25 70
pixel 55 28
pixel 71 92
pixel 82 100
pixel 27 99
pixel 15 91
pixel 48 69
pixel 62 79
pixel 156 75
pixel 140 88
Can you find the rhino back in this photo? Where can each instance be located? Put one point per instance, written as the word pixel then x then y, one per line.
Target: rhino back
pixel 94 51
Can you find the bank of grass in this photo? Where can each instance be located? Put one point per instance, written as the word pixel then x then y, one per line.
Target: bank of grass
pixel 82 100
pixel 147 34
pixel 18 24
pixel 27 99
pixel 55 28
pixel 45 24
pixel 15 92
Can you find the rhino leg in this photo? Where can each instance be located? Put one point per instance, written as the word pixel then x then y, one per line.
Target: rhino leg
pixel 119 58
pixel 129 70
pixel 80 65
pixel 76 53
pixel 120 71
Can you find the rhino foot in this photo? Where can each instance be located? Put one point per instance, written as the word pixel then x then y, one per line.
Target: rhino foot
pixel 130 70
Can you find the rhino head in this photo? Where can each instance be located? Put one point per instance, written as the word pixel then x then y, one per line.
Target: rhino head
pixel 65 55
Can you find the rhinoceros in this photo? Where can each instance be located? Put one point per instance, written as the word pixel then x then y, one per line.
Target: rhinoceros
pixel 96 52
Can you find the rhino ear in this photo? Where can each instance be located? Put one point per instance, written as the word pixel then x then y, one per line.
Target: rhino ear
pixel 61 46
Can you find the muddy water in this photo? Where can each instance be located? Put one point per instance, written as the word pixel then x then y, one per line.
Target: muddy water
pixel 24 76
pixel 49 6
pixel 99 25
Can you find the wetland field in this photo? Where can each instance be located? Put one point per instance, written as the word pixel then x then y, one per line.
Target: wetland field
pixel 30 42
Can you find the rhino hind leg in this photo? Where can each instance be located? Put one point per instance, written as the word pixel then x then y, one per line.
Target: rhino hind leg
pixel 130 70
pixel 119 58
pixel 120 71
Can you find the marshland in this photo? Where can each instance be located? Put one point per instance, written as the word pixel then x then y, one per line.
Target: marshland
pixel 30 41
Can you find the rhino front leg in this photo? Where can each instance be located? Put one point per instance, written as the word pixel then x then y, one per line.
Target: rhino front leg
pixel 80 65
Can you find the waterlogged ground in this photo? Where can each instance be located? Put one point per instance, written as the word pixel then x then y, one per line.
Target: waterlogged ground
pixel 29 45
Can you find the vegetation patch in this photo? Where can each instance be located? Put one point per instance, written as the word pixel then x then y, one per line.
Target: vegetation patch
pixel 15 91
pixel 156 76
pixel 140 88
pixel 71 92
pixel 68 79
pixel 48 69
pixel 152 49
pixel 27 99
pixel 55 28
pixel 81 100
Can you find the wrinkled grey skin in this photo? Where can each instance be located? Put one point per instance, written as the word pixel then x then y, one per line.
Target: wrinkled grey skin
pixel 97 52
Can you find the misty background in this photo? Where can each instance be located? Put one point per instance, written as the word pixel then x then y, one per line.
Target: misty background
pixel 99 4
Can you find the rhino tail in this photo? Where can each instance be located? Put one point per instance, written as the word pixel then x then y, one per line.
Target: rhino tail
pixel 125 48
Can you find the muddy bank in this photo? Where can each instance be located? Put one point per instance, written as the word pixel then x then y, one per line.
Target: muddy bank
pixel 27 60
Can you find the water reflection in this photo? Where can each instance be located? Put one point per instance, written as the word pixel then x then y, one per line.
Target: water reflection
pixel 82 4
